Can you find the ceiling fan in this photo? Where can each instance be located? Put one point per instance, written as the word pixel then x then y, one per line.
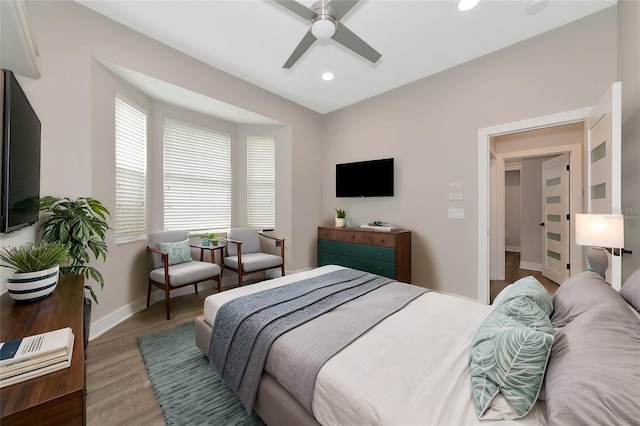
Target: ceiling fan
pixel 324 17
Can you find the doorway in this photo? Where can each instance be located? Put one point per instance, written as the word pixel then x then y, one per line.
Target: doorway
pixel 491 169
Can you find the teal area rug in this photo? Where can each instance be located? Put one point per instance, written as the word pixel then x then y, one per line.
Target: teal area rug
pixel 187 389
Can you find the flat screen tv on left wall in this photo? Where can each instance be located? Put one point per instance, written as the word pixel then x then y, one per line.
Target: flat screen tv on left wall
pixel 20 167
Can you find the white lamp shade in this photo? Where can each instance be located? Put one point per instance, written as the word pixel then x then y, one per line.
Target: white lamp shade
pixel 600 230
pixel 323 29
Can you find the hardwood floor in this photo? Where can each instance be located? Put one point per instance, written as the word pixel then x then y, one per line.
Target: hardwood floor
pixel 118 389
pixel 513 273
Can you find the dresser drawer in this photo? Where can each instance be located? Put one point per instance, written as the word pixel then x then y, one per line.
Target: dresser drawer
pixel 383 240
pixel 327 234
pixel 380 268
pixel 377 254
pixel 355 237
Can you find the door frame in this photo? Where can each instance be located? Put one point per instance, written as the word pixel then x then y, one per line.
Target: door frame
pixel 497 236
pixel 485 155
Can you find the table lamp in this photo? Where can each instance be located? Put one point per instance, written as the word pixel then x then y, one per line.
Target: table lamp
pixel 600 231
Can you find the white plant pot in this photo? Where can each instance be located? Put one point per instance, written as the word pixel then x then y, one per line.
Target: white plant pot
pixel 341 222
pixel 32 286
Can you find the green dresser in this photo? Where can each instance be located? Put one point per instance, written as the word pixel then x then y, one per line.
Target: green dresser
pixel 383 253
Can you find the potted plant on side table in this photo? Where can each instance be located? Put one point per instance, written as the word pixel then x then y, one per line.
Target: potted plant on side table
pixel 82 225
pixel 36 269
pixel 209 238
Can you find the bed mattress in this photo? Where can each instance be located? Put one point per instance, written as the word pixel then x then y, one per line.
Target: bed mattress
pixel 412 368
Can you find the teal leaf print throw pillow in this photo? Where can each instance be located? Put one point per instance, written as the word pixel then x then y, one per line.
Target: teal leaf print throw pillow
pixel 179 252
pixel 509 355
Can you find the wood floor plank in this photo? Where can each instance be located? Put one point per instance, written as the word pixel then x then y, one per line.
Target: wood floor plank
pixel 118 389
pixel 513 273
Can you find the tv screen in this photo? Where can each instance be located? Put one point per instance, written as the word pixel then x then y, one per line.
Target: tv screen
pixel 20 157
pixel 372 178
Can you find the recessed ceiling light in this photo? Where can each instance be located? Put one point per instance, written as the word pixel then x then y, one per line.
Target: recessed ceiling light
pixel 327 76
pixel 465 5
pixel 536 6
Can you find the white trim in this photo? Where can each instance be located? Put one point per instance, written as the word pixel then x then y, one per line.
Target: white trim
pixel 530 266
pixel 105 324
pixel 484 190
pixel 515 249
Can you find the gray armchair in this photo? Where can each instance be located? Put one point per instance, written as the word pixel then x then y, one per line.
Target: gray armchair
pixel 244 256
pixel 172 266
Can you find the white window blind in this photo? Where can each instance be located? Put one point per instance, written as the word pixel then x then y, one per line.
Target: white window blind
pixel 261 182
pixel 197 178
pixel 131 171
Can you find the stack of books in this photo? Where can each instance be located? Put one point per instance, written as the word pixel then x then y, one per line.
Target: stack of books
pixel 34 356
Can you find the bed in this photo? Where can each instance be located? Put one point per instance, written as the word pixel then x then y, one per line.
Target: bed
pixel 425 361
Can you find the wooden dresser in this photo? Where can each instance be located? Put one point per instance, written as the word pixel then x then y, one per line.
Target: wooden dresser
pixel 56 398
pixel 383 253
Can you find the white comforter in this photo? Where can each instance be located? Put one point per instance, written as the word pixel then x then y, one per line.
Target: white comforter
pixel 411 369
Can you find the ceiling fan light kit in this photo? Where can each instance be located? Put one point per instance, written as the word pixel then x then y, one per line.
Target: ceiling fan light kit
pixel 323 27
pixel 323 18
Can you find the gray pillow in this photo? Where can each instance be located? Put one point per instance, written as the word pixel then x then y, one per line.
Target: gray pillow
pixel 631 290
pixel 593 374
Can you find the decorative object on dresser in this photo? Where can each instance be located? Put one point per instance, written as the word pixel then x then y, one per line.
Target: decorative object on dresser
pixel 57 397
pixel 602 232
pixel 244 256
pixel 36 269
pixel 341 220
pixel 383 253
pixel 171 265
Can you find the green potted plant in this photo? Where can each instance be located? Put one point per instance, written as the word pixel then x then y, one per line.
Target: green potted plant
pixel 341 218
pixel 82 225
pixel 209 238
pixel 36 269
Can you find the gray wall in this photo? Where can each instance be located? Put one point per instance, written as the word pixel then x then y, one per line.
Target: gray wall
pixel 629 74
pixel 512 210
pixel 431 128
pixel 74 100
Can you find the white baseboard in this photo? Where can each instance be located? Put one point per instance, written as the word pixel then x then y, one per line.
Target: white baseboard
pixel 531 266
pixel 515 249
pixel 105 324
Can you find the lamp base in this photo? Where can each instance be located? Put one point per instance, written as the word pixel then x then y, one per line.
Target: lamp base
pixel 598 260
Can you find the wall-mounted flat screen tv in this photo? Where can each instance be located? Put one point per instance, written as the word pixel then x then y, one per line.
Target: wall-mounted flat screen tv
pixel 20 169
pixel 373 178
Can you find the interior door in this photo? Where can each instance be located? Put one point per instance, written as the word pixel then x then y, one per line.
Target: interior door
pixel 555 219
pixel 604 171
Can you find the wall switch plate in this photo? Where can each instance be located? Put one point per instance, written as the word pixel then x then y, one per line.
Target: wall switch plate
pixel 456 213
pixel 456 191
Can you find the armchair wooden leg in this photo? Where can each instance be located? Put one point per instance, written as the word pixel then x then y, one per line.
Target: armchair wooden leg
pixel 219 279
pixel 167 301
pixel 196 287
pixel 149 293
pixel 282 269
pixel 240 277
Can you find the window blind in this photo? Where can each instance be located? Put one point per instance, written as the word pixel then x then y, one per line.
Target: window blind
pixel 261 182
pixel 197 178
pixel 131 171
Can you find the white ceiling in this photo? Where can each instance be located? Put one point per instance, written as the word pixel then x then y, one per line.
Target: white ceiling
pixel 252 39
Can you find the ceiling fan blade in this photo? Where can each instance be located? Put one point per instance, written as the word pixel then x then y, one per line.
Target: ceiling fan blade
pixel 339 8
pixel 302 47
pixel 348 39
pixel 297 8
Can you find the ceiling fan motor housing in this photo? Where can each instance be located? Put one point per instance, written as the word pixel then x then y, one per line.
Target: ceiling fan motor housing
pixel 324 25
